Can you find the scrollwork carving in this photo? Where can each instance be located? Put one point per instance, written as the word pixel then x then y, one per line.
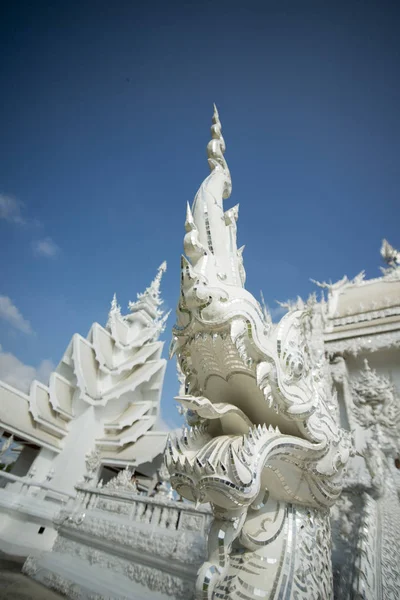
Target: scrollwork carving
pixel 258 401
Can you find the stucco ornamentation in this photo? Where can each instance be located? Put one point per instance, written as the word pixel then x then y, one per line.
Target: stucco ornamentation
pixel 185 547
pixel 364 343
pixel 376 405
pixel 390 255
pixel 124 482
pixel 262 443
pixel 92 461
pixel 156 580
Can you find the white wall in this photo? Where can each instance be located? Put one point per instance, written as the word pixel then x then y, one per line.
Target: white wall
pixel 70 466
pixel 43 464
pixel 20 536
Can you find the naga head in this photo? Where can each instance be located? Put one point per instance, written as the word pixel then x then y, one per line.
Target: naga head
pixel 258 405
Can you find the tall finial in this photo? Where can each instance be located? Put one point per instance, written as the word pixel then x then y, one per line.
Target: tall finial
pixel 115 309
pixel 114 304
pixel 155 285
pixel 152 293
pixel 215 152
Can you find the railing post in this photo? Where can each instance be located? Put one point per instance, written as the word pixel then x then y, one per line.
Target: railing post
pixel 155 518
pixel 164 517
pixel 92 500
pixel 140 511
pixel 148 513
pixel 132 515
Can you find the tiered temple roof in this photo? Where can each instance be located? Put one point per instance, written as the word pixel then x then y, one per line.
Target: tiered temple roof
pixel 117 369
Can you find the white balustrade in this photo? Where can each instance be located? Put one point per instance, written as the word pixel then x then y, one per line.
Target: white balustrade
pixel 25 486
pixel 158 511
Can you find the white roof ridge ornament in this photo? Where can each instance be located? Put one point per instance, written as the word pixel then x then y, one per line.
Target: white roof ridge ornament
pixel 390 255
pixel 392 258
pixel 115 310
pixel 210 240
pixel 151 294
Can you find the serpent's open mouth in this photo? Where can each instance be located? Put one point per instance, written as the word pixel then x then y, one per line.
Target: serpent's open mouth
pixel 228 384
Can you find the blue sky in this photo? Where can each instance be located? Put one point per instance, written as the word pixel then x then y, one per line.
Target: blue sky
pixel 105 117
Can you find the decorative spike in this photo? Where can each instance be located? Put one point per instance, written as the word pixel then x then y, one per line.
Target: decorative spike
pixel 167 459
pixel 215 152
pixel 187 269
pixel 115 310
pixel 198 467
pixel 250 442
pixel 189 223
pixel 152 293
pixel 173 346
pixel 210 467
pixel 185 436
pixel 114 304
pixel 244 456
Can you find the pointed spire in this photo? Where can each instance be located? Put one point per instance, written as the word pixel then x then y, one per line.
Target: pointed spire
pixel 154 288
pixel 115 309
pixel 215 152
pixel 114 304
pixel 210 232
pixel 151 294
pixel 189 223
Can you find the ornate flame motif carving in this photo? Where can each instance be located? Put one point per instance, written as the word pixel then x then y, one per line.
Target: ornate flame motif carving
pixel 124 481
pixel 376 405
pixel 391 256
pixel 261 444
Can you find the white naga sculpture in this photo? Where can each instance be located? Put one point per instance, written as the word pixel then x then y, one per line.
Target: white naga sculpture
pixel 262 443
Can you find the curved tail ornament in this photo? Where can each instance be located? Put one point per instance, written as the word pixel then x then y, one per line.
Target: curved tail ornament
pixel 261 444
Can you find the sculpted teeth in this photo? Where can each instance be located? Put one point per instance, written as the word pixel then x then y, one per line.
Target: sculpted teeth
pixel 177 451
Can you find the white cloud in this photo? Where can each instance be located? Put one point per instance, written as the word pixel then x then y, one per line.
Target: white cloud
pixel 46 247
pixel 277 312
pixel 10 209
pixel 10 313
pixel 19 375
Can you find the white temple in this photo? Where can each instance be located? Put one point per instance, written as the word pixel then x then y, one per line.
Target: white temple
pixel 289 460
pixel 97 415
